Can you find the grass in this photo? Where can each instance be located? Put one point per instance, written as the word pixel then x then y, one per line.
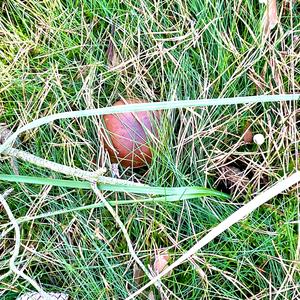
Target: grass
pixel 53 58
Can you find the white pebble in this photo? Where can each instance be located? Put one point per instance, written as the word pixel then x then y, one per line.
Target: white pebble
pixel 258 139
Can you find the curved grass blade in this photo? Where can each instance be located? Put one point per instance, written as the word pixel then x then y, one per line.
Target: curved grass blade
pixel 147 107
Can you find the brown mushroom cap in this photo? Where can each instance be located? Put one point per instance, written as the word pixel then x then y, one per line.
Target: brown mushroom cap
pixel 129 136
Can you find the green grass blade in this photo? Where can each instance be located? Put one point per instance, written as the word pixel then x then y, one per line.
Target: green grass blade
pixel 178 191
pixel 166 199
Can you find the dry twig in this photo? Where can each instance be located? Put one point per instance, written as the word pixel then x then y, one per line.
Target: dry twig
pixel 241 213
pixel 12 265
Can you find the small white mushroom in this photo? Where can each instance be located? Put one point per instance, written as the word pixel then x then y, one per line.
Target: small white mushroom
pixel 258 139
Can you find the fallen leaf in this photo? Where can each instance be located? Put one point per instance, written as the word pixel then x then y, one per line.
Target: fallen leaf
pixel 138 274
pixel 1 108
pixel 151 296
pixel 161 262
pixel 112 55
pixel 286 6
pixel 248 135
pixel 270 18
pixel 98 234
pixel 233 178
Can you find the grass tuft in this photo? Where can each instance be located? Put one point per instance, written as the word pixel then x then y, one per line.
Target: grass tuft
pixel 53 59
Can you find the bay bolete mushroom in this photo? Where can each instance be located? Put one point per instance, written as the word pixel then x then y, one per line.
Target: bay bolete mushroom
pixel 131 134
